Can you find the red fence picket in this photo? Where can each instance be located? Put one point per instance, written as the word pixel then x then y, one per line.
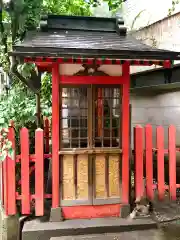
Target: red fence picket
pixel 138 148
pixel 1 184
pixel 25 188
pixel 160 161
pixel 5 185
pixel 172 161
pixel 149 160
pixel 11 184
pixel 39 173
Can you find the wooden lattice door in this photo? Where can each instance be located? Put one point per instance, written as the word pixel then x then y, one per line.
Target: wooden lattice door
pixel 90 145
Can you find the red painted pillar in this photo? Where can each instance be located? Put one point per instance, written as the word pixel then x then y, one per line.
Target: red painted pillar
pixel 125 132
pixel 55 136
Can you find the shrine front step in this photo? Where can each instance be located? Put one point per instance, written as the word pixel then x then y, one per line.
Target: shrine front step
pixel 38 230
pixel 140 235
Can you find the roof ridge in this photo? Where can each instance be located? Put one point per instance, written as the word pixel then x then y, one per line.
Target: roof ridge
pixel 62 22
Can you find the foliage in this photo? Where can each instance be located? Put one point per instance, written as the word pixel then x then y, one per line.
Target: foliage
pixel 173 7
pixel 67 7
pixel 16 18
pixel 114 5
pixel 46 96
pixel 5 145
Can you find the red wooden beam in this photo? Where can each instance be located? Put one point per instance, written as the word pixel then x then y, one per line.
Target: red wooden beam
pixel 78 80
pixel 149 160
pixel 5 185
pixel 172 162
pixel 25 186
pixel 160 161
pixel 82 212
pixel 125 132
pixel 11 177
pixel 55 136
pixel 39 172
pixel 81 60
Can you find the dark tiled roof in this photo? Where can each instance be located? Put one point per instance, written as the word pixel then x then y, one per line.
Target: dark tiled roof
pixel 87 37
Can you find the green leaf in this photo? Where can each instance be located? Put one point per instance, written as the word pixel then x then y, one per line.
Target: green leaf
pixel 3 156
pixel 11 154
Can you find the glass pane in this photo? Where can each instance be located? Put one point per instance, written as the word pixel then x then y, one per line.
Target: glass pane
pixel 74 117
pixel 107 117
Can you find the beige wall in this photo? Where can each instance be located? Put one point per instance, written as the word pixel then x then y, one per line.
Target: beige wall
pixel 161 109
pixel 153 11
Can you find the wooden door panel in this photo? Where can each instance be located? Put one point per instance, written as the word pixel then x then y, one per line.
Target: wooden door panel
pixel 114 176
pixel 82 177
pixel 107 187
pixel 100 190
pixel 88 179
pixel 68 187
pixel 75 180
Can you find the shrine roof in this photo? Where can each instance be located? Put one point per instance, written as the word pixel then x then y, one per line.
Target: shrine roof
pixel 73 36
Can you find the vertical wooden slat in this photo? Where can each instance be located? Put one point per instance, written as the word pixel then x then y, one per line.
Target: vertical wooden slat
pixel 82 177
pixel 46 134
pixel 138 148
pixel 11 163
pixel 160 161
pixel 91 178
pixel 68 178
pixel 5 185
pixel 114 176
pixel 107 174
pixel 149 161
pixel 55 135
pixel 100 187
pixel 125 133
pixel 25 188
pixel 75 174
pixel 172 161
pixel 1 184
pixel 39 173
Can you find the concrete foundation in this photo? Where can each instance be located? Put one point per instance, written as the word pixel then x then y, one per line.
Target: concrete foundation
pixel 38 230
pixel 9 226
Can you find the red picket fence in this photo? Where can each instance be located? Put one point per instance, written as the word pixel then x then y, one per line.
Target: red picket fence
pixel 143 150
pixel 9 172
pixel 144 155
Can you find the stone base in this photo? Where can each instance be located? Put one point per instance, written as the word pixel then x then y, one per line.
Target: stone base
pixel 125 210
pixel 9 226
pixel 56 215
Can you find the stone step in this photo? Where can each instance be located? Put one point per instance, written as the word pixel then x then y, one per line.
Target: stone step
pixel 140 235
pixel 37 230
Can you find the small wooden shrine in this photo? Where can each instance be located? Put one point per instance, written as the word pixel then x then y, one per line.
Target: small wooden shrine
pixel 90 60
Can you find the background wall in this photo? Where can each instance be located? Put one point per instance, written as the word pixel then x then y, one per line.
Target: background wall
pixel 153 11
pixel 157 109
pixel 164 34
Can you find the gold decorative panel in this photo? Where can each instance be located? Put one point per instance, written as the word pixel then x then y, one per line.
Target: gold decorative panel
pixel 114 173
pixel 100 184
pixel 68 177
pixel 82 177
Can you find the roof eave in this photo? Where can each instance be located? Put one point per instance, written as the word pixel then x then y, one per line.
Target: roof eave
pixel 52 52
